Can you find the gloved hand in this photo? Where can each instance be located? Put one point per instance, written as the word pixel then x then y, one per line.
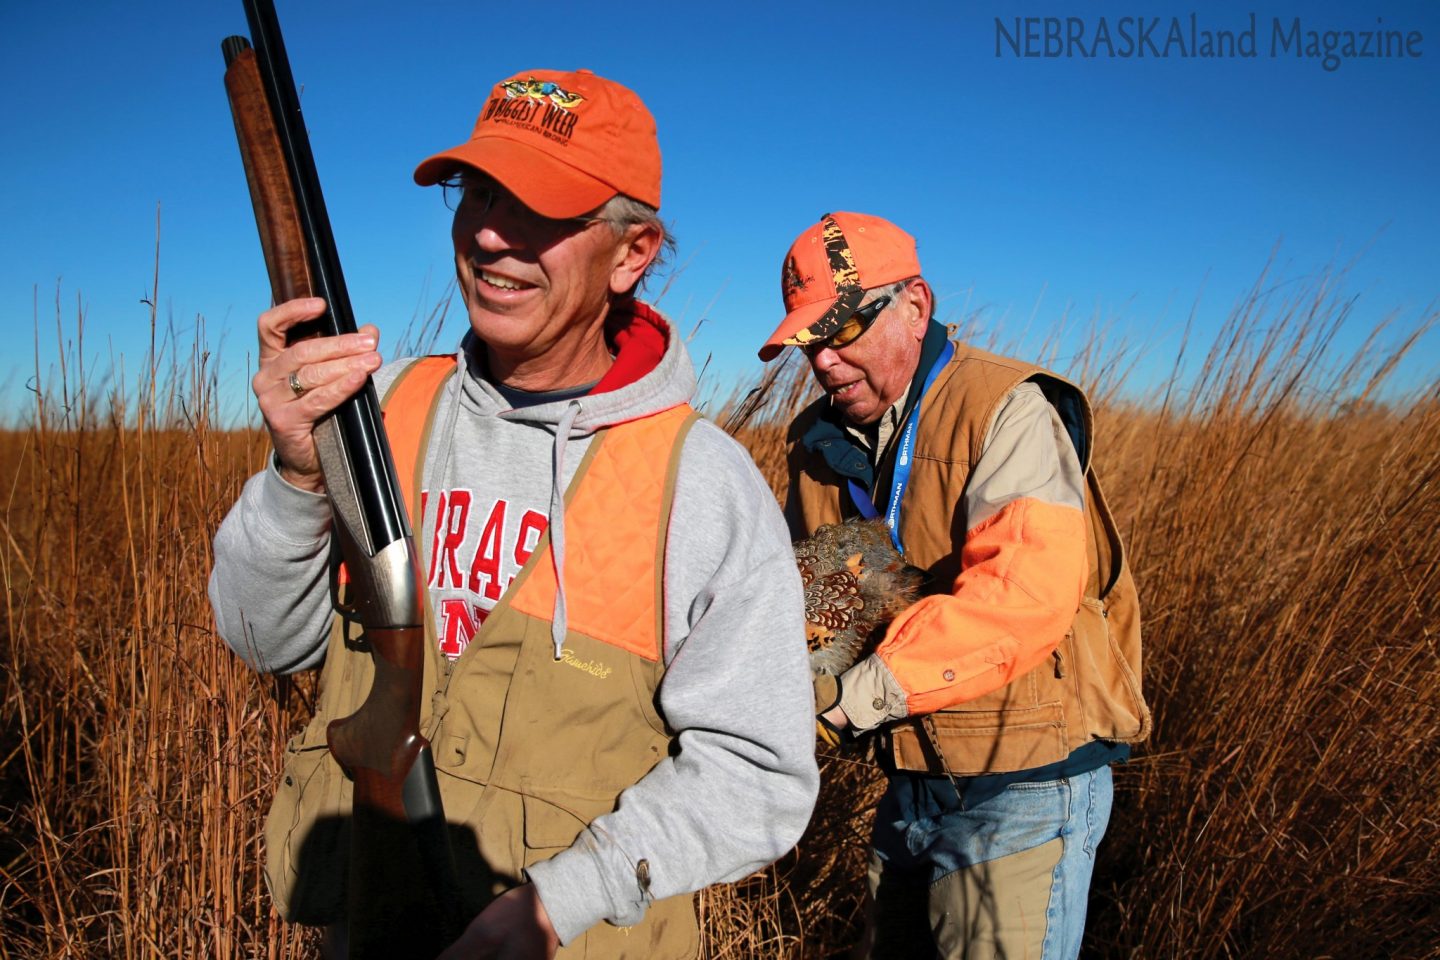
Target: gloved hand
pixel 827 698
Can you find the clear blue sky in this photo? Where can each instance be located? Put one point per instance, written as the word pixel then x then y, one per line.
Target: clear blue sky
pixel 1118 187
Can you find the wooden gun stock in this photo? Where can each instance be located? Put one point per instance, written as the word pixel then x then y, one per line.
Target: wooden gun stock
pixel 402 887
pixel 275 217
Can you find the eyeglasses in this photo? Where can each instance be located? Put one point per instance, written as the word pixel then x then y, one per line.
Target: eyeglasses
pixel 475 199
pixel 853 328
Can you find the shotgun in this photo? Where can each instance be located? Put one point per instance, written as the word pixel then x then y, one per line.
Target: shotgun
pixel 401 895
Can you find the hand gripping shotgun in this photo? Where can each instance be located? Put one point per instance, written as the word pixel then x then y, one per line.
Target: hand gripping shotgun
pixel 402 890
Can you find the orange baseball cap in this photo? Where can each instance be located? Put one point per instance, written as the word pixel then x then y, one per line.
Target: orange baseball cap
pixel 563 143
pixel 829 268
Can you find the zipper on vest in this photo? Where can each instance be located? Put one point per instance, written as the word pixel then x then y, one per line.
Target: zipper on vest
pixel 439 707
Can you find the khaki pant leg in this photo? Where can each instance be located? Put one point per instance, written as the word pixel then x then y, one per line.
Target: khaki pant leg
pixel 995 910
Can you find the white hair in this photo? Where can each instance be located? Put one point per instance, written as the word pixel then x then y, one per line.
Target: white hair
pixel 622 212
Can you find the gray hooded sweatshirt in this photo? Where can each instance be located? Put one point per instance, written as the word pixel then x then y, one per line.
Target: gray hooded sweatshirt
pixel 736 688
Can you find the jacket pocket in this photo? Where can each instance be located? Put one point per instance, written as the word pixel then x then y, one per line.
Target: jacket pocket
pixel 1105 680
pixel 964 742
pixel 555 821
pixel 307 836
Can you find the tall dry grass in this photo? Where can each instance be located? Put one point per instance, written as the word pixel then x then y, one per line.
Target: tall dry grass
pixel 137 755
pixel 1282 526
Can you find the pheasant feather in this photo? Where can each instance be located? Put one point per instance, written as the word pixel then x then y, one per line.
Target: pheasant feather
pixel 855 584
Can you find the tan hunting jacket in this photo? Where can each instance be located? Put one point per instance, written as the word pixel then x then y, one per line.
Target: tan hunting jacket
pixel 1004 716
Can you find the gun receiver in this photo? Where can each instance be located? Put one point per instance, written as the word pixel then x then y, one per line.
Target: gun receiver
pixel 402 884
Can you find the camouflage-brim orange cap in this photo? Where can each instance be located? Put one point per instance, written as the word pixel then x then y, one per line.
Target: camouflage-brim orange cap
pixel 828 269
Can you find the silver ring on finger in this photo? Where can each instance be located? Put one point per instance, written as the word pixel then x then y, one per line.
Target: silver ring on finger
pixel 296 387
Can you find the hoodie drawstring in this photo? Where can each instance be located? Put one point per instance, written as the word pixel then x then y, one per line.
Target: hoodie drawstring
pixel 558 624
pixel 446 446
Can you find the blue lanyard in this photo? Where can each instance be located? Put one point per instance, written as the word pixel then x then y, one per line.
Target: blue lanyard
pixel 903 458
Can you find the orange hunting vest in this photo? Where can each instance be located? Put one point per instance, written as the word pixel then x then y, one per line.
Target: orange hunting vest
pixel 529 750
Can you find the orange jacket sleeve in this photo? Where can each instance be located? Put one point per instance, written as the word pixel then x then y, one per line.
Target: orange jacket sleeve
pixel 1022 574
pixel 1021 579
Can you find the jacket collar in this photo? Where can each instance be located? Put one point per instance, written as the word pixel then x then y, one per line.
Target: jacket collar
pixel 828 438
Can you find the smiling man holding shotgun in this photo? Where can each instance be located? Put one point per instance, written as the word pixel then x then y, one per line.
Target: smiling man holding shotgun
pixel 616 679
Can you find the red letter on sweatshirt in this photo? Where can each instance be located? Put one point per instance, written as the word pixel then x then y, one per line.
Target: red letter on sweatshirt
pixel 487 555
pixel 532 525
pixel 456 627
pixel 455 516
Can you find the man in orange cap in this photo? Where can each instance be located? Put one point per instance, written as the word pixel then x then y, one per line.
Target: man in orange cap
pixel 619 705
pixel 996 703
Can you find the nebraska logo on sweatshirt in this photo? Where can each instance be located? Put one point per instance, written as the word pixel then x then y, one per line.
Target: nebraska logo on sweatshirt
pixel 476 549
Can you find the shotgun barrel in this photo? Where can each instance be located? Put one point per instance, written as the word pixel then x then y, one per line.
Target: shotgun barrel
pixel 402 886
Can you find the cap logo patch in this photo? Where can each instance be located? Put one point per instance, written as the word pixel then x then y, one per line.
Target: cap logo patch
pixel 533 89
pixel 791 280
pixel 539 106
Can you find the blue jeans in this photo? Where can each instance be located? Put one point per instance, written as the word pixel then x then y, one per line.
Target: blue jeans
pixel 1008 876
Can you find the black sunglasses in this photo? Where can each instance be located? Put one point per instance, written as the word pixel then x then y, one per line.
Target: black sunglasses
pixel 853 328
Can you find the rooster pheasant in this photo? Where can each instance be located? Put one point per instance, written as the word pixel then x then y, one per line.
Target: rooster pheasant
pixel 855 583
